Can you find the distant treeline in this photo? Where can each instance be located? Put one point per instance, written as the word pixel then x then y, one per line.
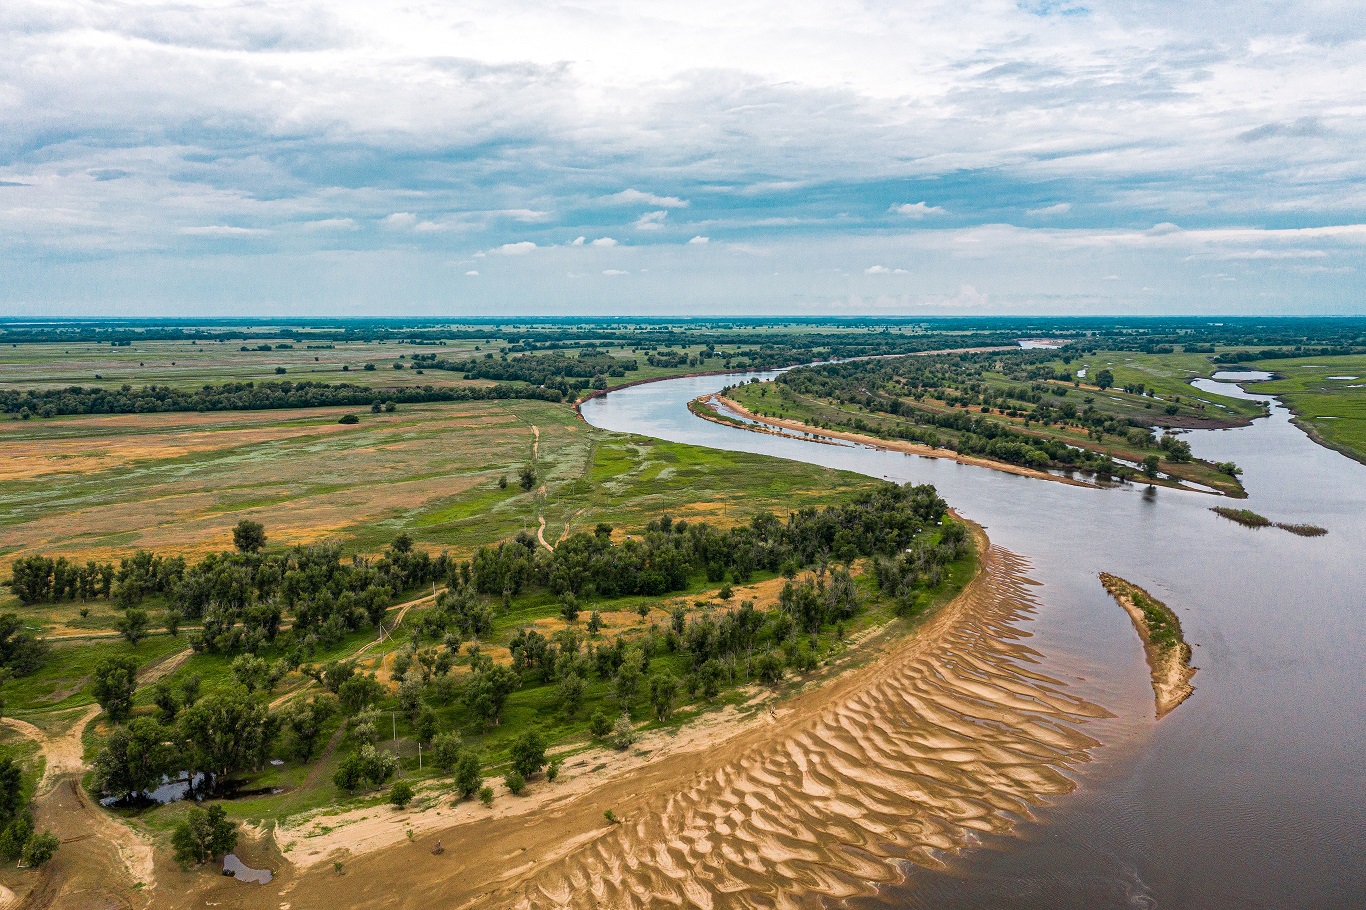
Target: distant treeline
pixel 242 396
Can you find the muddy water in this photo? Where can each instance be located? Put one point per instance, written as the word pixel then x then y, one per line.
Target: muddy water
pixel 1252 793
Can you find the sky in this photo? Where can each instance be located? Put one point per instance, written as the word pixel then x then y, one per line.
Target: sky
pixel 494 157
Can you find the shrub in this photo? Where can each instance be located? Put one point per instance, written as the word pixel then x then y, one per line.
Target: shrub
pixel 486 795
pixel 515 782
pixel 349 419
pixel 401 794
pixel 623 733
pixel 599 725
pixel 40 848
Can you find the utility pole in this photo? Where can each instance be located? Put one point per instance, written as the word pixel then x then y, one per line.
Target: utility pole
pixel 393 719
pixel 419 756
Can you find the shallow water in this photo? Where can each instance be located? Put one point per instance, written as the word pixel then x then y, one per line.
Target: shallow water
pixel 1252 793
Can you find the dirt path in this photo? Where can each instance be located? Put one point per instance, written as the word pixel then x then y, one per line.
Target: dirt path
pixel 540 533
pixel 942 734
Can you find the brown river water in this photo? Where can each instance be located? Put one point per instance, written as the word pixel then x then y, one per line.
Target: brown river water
pixel 1252 794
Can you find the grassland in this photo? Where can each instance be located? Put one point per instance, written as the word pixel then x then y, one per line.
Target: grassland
pixel 1327 395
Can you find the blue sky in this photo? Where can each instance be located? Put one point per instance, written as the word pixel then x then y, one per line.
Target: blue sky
pixel 745 156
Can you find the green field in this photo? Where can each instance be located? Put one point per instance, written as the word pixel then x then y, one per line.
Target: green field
pixel 1331 410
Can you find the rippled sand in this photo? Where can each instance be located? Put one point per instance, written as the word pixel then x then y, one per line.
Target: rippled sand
pixel 954 732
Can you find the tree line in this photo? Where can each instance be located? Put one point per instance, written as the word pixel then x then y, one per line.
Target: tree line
pixel 243 396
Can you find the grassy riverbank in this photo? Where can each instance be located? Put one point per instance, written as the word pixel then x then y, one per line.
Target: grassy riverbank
pixel 1327 396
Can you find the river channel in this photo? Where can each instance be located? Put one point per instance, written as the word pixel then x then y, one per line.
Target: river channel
pixel 1252 793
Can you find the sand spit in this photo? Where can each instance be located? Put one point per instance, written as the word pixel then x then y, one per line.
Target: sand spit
pixel 1169 661
pixel 948 732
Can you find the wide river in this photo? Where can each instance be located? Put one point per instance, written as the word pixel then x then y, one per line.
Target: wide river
pixel 1252 793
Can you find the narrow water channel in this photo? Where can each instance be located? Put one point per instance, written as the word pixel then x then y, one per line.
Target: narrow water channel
pixel 1253 793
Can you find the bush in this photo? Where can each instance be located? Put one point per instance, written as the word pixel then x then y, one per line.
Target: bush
pixel 553 771
pixel 486 795
pixel 469 778
pixel 515 782
pixel 203 834
pixel 401 794
pixel 599 725
pixel 349 419
pixel 40 848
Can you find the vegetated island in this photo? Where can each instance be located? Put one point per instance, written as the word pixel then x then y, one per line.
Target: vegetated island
pixel 1250 519
pixel 1169 656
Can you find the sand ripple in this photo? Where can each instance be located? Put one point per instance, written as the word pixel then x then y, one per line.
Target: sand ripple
pixel 955 731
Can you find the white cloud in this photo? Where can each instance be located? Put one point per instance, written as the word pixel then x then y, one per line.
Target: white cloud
pixel 331 224
pixel 399 220
pixel 515 249
pixel 1060 208
pixel 916 209
pixel 876 270
pixel 636 197
pixel 577 241
pixel 603 241
pixel 614 272
pixel 651 221
pixel 528 215
pixel 472 272
pixel 222 230
pixel 699 240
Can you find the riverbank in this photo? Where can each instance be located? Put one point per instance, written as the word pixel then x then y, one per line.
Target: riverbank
pixel 768 424
pixel 928 740
pixel 1166 650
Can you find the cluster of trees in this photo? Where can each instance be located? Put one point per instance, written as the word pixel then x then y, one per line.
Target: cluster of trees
pixel 550 370
pixel 242 396
pixel 18 837
pixel 241 598
pixel 1030 392
pixel 589 564
pixel 21 652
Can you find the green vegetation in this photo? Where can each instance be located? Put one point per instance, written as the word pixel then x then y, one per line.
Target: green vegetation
pixel 1250 519
pixel 19 839
pixel 1020 407
pixel 1327 396
pixel 1245 517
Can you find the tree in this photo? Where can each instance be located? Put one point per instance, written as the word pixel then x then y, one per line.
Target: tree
pixel 134 758
pixel 203 834
pixel 569 607
pixel 488 690
pixel 629 674
pixel 249 536
pixel 515 782
pixel 116 679
pixel 11 789
pixel 401 794
pixel 251 671
pixel 20 652
pixel 358 692
pixel 40 848
pixel 623 733
pixel 132 625
pixel 1150 465
pixel 468 776
pixel 304 720
pixel 663 691
pixel 1105 379
pixel 227 732
pixel 527 478
pixel 446 749
pixel 599 724
pixel 528 753
pixel 571 689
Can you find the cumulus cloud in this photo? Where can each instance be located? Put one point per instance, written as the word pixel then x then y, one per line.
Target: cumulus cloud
pixel 519 248
pixel 636 197
pixel 577 241
pixel 916 209
pixel 651 221
pixel 399 220
pixel 877 270
pixel 699 240
pixel 603 241
pixel 1060 208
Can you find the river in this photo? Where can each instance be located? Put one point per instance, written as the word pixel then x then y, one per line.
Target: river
pixel 1251 794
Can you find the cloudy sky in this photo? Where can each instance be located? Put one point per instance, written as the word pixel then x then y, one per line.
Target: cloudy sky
pixel 714 156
